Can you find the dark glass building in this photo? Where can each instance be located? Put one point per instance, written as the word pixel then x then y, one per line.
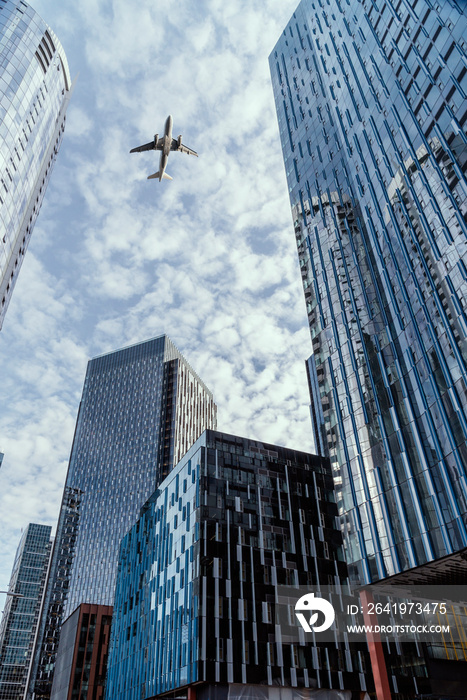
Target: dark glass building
pixel 372 110
pixel 35 89
pixel 194 612
pixel 142 408
pixel 21 614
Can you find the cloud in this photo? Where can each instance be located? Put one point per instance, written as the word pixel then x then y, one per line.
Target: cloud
pixel 78 123
pixel 208 258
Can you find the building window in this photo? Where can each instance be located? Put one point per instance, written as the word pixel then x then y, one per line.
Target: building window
pixel 294 656
pixel 242 571
pixel 267 613
pixel 217 568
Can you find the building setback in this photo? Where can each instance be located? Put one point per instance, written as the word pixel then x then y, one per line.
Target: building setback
pixel 142 407
pixel 371 103
pixel 194 612
pixel 21 614
pixel 34 94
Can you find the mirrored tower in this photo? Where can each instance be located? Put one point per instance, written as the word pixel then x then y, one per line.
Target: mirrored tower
pixel 372 110
pixel 142 408
pixel 34 94
pixel 22 609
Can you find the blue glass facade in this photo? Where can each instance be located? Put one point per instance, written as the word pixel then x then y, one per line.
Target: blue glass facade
pixel 371 103
pixel 157 584
pixel 142 407
pixel 34 94
pixel 199 572
pixel 21 615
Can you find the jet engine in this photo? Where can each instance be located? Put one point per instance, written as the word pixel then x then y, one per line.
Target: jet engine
pixel 180 141
pixel 156 139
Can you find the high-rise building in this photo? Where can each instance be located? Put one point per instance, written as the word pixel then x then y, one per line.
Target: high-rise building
pixel 372 110
pixel 195 612
pixel 34 94
pixel 142 408
pixel 22 609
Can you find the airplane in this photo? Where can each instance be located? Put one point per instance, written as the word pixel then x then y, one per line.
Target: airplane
pixel 164 144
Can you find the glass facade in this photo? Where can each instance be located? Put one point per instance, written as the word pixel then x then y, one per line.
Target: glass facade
pixel 198 573
pixel 371 103
pixel 142 406
pixel 34 94
pixel 20 617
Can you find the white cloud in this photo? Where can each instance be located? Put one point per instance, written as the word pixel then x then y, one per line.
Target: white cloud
pixel 208 258
pixel 78 123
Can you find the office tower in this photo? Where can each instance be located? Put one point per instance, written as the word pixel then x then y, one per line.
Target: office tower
pixel 82 657
pixel 371 103
pixel 34 94
pixel 194 612
pixel 142 407
pixel 22 608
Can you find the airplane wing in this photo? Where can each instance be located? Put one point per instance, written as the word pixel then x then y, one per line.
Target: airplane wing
pixel 176 146
pixel 148 147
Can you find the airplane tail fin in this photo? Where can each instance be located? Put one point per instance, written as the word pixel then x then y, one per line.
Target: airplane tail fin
pixel 155 176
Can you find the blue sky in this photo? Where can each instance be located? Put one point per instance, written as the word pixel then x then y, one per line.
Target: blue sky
pixel 114 259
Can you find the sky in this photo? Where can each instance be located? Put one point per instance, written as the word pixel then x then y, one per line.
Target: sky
pixel 208 258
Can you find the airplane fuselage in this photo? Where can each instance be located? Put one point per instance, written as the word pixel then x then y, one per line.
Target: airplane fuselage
pixel 166 146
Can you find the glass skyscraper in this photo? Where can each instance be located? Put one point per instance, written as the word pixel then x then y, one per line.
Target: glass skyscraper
pixel 195 612
pixel 21 614
pixel 371 103
pixel 142 408
pixel 34 94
